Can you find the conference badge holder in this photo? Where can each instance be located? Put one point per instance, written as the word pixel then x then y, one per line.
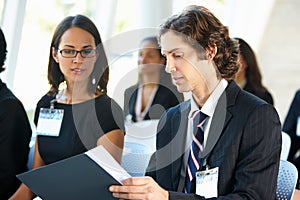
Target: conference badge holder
pixel 50 120
pixel 207 182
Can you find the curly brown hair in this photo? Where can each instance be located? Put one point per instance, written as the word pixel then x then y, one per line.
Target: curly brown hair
pixel 200 28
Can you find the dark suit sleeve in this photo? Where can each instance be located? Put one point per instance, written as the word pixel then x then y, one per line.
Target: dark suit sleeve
pixel 14 143
pixel 290 125
pixel 15 133
pixel 290 122
pixel 182 196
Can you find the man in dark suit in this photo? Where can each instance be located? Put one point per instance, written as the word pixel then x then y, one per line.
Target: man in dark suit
pixel 238 156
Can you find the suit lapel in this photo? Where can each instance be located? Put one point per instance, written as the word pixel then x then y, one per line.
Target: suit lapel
pixel 132 100
pixel 221 117
pixel 219 121
pixel 178 147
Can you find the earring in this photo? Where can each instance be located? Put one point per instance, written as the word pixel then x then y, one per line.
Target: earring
pixel 93 81
pixel 62 85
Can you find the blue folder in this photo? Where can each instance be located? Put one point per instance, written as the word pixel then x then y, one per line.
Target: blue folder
pixel 75 178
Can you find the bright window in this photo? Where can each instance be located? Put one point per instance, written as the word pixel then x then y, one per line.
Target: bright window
pixel 2 3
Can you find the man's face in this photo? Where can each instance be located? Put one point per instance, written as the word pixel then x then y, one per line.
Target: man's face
pixel 187 70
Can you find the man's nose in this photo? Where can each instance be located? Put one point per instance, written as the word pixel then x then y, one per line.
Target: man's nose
pixel 170 65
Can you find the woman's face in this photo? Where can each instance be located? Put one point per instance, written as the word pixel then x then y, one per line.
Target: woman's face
pixel 149 58
pixel 77 68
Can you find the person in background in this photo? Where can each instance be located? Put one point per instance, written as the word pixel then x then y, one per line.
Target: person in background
pixel 86 114
pixel 222 143
pixel 154 93
pixel 291 126
pixel 248 76
pixel 15 134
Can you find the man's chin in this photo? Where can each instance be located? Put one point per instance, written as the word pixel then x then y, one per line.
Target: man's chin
pixel 182 89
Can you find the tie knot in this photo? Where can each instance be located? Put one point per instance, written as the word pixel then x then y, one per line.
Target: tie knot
pixel 199 117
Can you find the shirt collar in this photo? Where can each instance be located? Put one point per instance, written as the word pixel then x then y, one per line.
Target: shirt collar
pixel 210 105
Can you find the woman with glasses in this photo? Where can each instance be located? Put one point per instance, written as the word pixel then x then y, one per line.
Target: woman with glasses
pixel 76 114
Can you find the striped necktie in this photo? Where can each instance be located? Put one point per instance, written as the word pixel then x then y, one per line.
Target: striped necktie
pixel 193 164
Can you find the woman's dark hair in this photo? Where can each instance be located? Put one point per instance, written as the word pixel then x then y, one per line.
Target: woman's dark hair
pixel 200 28
pixel 3 50
pixel 101 70
pixel 252 72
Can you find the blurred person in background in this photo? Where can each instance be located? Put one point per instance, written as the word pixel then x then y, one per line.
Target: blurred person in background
pixel 154 92
pixel 291 126
pixel 15 134
pixel 249 76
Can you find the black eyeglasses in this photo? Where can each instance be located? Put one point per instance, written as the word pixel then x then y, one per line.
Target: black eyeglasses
pixel 71 53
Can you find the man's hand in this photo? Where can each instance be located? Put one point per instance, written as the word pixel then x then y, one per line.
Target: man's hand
pixel 144 188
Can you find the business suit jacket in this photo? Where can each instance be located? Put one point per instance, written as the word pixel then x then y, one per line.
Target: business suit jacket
pixel 164 97
pixel 15 135
pixel 290 127
pixel 244 141
pixel 264 95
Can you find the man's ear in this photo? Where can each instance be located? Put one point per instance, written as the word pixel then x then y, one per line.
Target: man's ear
pixel 211 51
pixel 54 54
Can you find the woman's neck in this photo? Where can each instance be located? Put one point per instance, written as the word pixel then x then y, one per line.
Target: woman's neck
pixel 153 78
pixel 73 94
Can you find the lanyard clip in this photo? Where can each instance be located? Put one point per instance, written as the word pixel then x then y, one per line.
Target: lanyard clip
pixel 52 102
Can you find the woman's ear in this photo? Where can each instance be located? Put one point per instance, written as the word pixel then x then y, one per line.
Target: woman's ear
pixel 162 60
pixel 54 55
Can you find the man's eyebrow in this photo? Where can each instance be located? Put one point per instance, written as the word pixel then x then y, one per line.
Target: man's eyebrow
pixel 171 51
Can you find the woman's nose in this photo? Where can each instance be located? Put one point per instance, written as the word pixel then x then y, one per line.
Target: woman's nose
pixel 142 60
pixel 78 58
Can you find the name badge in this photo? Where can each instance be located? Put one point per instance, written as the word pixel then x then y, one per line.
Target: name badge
pixel 298 127
pixel 49 122
pixel 207 183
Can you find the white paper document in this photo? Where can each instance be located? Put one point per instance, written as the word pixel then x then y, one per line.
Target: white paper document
pixel 108 163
